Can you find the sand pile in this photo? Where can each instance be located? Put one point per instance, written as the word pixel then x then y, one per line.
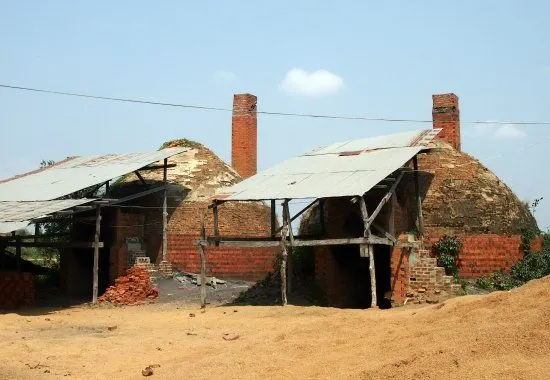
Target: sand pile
pixel 130 289
pixel 504 335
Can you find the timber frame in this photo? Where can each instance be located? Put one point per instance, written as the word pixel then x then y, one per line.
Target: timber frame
pixel 284 238
pixel 36 240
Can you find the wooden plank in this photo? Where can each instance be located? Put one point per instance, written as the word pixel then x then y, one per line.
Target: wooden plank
pixel 165 212
pixel 203 264
pixel 418 198
pixel 141 194
pixel 96 254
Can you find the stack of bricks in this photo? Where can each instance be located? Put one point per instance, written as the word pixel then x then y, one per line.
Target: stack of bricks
pixel 165 268
pixel 16 290
pixel 132 289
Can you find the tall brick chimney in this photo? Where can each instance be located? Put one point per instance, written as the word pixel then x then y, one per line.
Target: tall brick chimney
pixel 445 115
pixel 244 135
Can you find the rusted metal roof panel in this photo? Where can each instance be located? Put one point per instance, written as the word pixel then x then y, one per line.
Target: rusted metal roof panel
pixel 77 173
pixel 343 169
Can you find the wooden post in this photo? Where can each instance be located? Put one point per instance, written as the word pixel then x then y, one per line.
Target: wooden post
pixel 216 223
pixel 418 198
pixel 203 262
pixel 284 256
pixel 289 272
pixel 96 253
pixel 368 249
pixel 36 231
pixel 165 214
pixel 273 219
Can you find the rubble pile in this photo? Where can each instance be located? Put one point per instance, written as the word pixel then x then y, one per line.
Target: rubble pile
pixel 131 289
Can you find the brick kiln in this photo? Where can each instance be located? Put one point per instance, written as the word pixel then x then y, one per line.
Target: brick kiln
pixel 197 175
pixel 459 197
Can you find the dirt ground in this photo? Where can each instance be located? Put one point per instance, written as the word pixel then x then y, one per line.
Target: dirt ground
pixel 503 335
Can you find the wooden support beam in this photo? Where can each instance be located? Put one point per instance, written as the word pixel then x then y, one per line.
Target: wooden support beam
pixel 141 194
pixel 203 264
pixel 368 248
pixel 157 167
pixel 301 212
pixel 107 188
pixel 379 228
pixel 372 239
pixel 96 254
pixel 140 177
pixel 391 221
pixel 284 254
pixel 273 219
pixel 165 212
pixel 290 269
pixel 383 201
pixel 418 198
pixel 216 222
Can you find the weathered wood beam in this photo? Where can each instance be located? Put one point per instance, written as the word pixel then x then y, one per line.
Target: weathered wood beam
pixel 96 254
pixel 379 228
pixel 383 201
pixel 418 198
pixel 368 248
pixel 140 177
pixel 372 239
pixel 216 222
pixel 286 213
pixel 284 253
pixel 158 167
pixel 165 212
pixel 141 194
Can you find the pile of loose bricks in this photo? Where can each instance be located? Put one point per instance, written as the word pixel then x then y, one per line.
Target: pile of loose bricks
pixel 134 288
pixel 16 289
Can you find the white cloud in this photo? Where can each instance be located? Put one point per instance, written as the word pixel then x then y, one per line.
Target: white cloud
pixel 508 132
pixel 492 130
pixel 315 83
pixel 225 76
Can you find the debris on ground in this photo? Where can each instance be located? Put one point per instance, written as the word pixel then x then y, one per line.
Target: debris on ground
pixel 130 289
pixel 195 279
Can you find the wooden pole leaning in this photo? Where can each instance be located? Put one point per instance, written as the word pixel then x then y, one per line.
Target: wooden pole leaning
pixel 368 250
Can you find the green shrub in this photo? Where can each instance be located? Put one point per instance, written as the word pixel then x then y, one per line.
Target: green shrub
pixel 448 249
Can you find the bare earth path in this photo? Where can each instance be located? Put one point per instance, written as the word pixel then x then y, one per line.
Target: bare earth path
pixel 504 335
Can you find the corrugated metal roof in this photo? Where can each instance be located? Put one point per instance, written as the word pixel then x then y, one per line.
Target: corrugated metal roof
pixel 24 211
pixel 343 169
pixel 7 227
pixel 77 173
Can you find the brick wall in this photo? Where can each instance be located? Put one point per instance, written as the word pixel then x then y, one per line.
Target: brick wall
pixel 16 289
pixel 446 115
pixel 400 275
pixel 224 262
pixel 244 135
pixel 484 254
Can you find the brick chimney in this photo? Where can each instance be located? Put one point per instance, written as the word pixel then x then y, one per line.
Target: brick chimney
pixel 244 135
pixel 445 115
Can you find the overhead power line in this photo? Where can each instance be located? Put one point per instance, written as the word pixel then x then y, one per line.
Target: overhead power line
pixel 304 115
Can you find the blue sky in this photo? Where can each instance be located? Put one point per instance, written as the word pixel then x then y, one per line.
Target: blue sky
pixel 360 58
